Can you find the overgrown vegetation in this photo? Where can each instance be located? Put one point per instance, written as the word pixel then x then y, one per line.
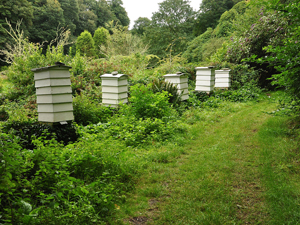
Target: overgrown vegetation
pixel 81 172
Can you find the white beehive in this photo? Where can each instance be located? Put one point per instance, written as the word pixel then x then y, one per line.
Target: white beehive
pixel 181 81
pixel 222 78
pixel 205 79
pixel 54 93
pixel 114 89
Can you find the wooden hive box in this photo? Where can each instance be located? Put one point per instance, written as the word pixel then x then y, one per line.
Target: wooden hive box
pixel 114 89
pixel 54 93
pixel 181 81
pixel 205 79
pixel 222 78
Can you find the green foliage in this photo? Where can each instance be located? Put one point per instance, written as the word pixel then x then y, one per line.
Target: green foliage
pixel 3 114
pixel 171 28
pixel 48 15
pixel 87 17
pixel 283 52
pixel 119 11
pixel 103 12
pixel 206 45
pixel 122 42
pixel 14 11
pixel 85 44
pixel 101 37
pixel 25 131
pixel 146 104
pixel 88 112
pixel 140 25
pixel 71 13
pixel 210 13
pixel 194 52
pixel 161 85
pixel 45 185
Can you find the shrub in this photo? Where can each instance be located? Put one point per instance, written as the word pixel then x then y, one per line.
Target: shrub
pixel 101 37
pixel 85 44
pixel 77 184
pixel 146 104
pixel 87 111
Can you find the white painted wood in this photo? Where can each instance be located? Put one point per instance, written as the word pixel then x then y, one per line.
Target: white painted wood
pixel 55 117
pixel 54 93
pixel 52 82
pixel 55 107
pixel 184 97
pixel 114 82
pixel 59 98
pixel 205 79
pixel 221 85
pixel 204 88
pixel 205 71
pixel 114 95
pixel 175 79
pixel 111 89
pixel 49 74
pixel 114 89
pixel 53 90
pixel 223 80
pixel 182 86
pixel 206 83
pixel 114 102
pixel 200 77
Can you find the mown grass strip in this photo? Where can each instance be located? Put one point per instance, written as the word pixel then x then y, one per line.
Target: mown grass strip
pixel 221 178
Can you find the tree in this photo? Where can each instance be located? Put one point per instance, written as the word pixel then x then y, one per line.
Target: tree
pixel 87 17
pixel 14 11
pixel 85 44
pixel 119 11
pixel 71 13
pixel 101 37
pixel 210 13
pixel 48 17
pixel 140 25
pixel 104 13
pixel 286 55
pixel 171 28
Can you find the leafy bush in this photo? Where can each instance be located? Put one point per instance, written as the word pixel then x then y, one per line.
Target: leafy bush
pixel 86 111
pixel 77 184
pixel 101 37
pixel 146 104
pixel 85 44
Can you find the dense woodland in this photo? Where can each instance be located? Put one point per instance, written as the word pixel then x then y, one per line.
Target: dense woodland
pixel 81 172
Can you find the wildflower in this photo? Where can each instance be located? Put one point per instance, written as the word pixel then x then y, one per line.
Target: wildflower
pixel 277 29
pixel 252 26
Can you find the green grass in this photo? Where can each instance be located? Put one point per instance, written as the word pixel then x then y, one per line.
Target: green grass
pixel 238 165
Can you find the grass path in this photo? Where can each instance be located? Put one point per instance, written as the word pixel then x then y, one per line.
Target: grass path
pixel 231 173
